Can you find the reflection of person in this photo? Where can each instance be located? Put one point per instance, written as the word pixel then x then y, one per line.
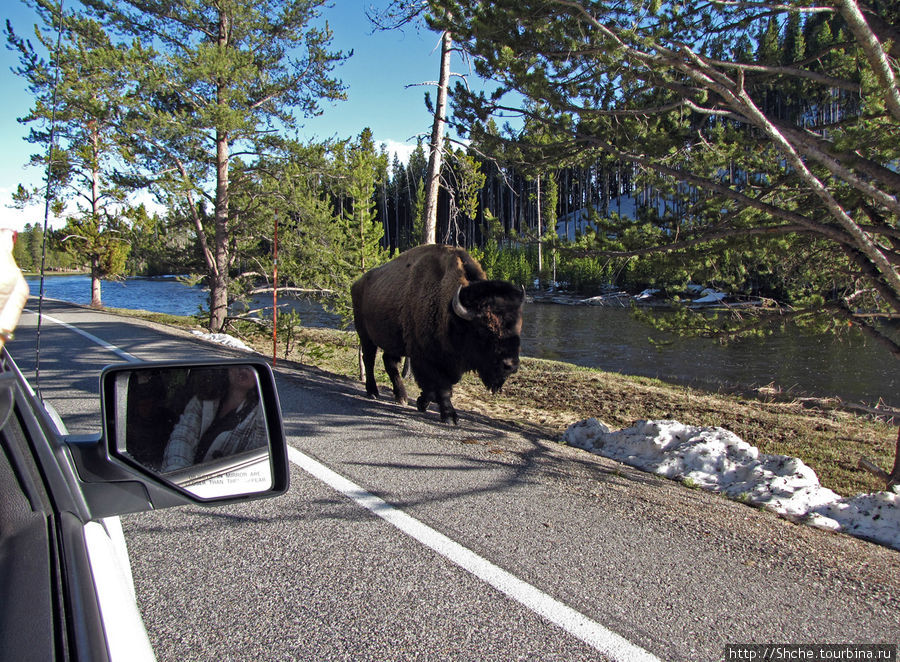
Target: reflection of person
pixel 149 420
pixel 224 418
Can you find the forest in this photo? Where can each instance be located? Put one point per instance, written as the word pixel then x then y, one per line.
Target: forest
pixel 747 146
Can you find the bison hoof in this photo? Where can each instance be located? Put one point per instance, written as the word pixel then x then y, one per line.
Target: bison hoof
pixel 422 403
pixel 372 393
pixel 447 411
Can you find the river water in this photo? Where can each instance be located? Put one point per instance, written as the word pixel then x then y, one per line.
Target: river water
pixel 852 368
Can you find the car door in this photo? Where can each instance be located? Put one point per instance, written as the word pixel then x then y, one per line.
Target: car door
pixel 29 556
pixel 50 603
pixel 65 578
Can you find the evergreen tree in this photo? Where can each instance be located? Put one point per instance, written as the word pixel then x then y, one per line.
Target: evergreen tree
pixel 293 189
pixel 364 166
pixel 83 76
pixel 397 14
pixel 160 244
pixel 102 245
pixel 416 170
pixel 464 181
pixel 210 79
pixel 418 163
pixel 399 213
pixel 35 242
pixel 418 213
pixel 681 96
pixel 549 200
pixel 22 249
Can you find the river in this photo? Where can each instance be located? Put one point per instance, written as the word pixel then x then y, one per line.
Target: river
pixel 852 368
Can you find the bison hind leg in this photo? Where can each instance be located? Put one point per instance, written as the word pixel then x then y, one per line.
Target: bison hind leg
pixel 392 366
pixel 369 349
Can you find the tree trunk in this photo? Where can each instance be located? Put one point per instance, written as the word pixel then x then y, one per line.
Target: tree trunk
pixel 218 273
pixel 890 479
pixel 96 272
pixel 540 231
pixel 433 179
pixel 218 276
pixel 875 54
pixel 96 301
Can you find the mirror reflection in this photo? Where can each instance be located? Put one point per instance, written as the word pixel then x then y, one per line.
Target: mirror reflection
pixel 203 428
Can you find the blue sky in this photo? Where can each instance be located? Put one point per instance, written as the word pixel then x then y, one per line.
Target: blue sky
pixel 377 76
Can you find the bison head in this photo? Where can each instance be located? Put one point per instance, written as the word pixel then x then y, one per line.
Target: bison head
pixel 491 311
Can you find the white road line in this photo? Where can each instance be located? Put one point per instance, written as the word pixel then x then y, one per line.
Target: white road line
pixel 575 623
pixel 115 350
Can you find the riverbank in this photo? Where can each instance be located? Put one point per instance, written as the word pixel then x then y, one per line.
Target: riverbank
pixel 545 397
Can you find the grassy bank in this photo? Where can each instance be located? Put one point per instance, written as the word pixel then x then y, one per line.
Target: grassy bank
pixel 546 397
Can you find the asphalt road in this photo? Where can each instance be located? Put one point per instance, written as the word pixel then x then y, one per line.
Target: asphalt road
pixel 596 555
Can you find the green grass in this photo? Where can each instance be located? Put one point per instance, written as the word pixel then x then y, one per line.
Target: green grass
pixel 160 318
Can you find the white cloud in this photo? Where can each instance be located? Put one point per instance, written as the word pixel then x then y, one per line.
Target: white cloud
pixel 16 219
pixel 401 149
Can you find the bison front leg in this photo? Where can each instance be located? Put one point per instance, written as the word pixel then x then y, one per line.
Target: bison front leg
pixel 424 400
pixel 442 398
pixel 392 366
pixel 436 385
pixel 445 406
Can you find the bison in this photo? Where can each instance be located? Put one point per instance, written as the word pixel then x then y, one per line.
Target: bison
pixel 434 305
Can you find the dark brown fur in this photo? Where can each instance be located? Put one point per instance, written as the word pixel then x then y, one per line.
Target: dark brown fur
pixel 405 308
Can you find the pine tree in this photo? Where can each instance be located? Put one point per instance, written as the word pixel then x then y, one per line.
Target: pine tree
pixel 213 78
pixel 21 249
pixel 83 75
pixel 464 184
pixel 104 246
pixel 684 99
pixel 416 169
pixel 364 167
pixel 294 189
pixel 397 14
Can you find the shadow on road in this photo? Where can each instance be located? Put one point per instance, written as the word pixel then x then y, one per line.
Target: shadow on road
pixel 498 455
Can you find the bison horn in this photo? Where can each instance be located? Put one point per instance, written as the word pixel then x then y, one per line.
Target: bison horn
pixel 460 309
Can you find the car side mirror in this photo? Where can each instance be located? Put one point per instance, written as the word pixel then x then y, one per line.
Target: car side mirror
pixel 210 429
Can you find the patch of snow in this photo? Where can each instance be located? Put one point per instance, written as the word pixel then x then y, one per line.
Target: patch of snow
pixel 616 298
pixel 223 339
pixel 647 294
pixel 718 460
pixel 710 296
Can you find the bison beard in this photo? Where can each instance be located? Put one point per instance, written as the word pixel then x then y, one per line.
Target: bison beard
pixel 434 305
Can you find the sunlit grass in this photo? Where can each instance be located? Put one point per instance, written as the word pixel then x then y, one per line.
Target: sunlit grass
pixel 160 318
